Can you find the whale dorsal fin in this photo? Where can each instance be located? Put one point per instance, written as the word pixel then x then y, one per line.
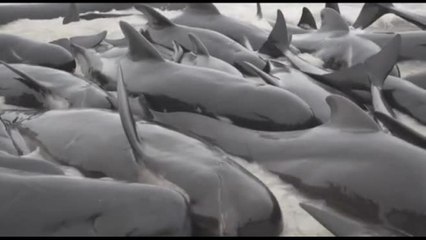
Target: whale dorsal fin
pixel 197 46
pixel 307 20
pixel 205 8
pixel 334 6
pixel 259 12
pixel 72 14
pixel 139 47
pixel 155 19
pixel 347 115
pixel 278 40
pixel 89 41
pixel 332 21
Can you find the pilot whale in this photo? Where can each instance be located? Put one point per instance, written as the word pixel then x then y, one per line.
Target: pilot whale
pixel 15 49
pixel 45 88
pixel 200 57
pixel 334 44
pixel 45 205
pixel 372 185
pixel 163 31
pixel 208 176
pixel 207 16
pixel 179 87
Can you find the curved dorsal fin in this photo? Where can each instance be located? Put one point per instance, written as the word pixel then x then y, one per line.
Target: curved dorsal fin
pixel 278 40
pixel 259 12
pixel 307 20
pixel 139 47
pixel 334 6
pixel 89 41
pixel 332 21
pixel 197 46
pixel 72 14
pixel 155 19
pixel 347 115
pixel 204 8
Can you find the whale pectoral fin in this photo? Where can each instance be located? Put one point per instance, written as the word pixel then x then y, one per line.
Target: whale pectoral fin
pixel 347 115
pixel 259 12
pixel 268 78
pixel 307 20
pixel 197 46
pixel 28 81
pixel 127 120
pixel 89 41
pixel 334 6
pixel 205 8
pixel 154 18
pixel 72 15
pixel 139 47
pixel 332 21
pixel 278 41
pixel 341 225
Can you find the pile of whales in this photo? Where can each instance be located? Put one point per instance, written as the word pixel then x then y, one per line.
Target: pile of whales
pixel 139 136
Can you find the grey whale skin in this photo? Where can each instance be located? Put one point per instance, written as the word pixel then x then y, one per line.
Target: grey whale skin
pixel 16 49
pixel 206 174
pixel 45 88
pixel 373 184
pixel 162 31
pixel 140 209
pixel 170 86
